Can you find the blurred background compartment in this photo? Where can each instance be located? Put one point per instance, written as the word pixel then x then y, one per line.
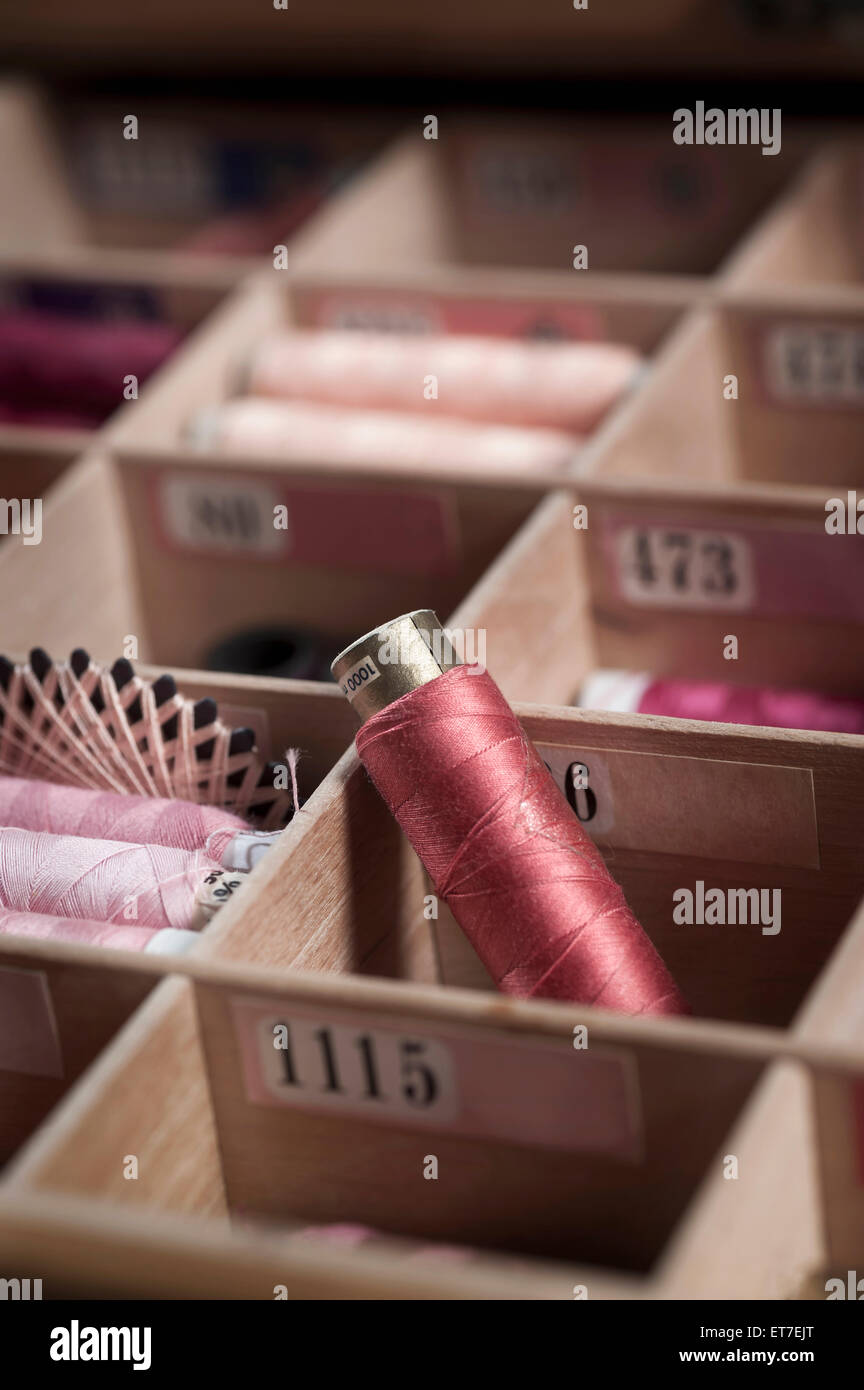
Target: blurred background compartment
pixel 500 204
pixel 80 339
pixel 202 560
pixel 226 180
pixel 722 503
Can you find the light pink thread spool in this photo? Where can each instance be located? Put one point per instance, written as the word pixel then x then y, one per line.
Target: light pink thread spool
pixel 561 386
pixel 103 880
pixel 33 805
pixel 300 432
pixel 719 702
pixel 162 941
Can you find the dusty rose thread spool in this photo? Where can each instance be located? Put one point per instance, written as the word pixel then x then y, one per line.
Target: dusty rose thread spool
pixel 502 846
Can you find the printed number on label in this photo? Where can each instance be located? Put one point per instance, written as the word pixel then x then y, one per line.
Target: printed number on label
pixel 808 363
pixel 684 569
pixel 584 780
pixel 214 513
pixel 513 182
pixel 314 1064
pixel 381 318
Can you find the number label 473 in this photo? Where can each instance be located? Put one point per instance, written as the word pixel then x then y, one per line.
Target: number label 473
pixel 675 567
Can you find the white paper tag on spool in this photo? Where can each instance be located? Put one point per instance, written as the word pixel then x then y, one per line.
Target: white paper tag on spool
pixel 437 1077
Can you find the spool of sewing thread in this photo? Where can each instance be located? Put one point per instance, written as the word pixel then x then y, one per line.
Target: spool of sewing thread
pixel 300 432
pixel 166 941
pixel 74 368
pixel 638 693
pixel 502 846
pixel 107 881
pixel 138 820
pixel 561 386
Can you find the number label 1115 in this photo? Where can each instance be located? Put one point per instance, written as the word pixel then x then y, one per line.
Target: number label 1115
pixel 316 1064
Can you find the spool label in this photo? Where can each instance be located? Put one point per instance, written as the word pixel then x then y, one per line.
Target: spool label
pixel 537 1092
pixel 362 673
pixel 678 567
pixel 586 783
pixel 814 364
pixel 383 310
pixel 246 848
pixel 29 1038
pixel 212 513
pixel 664 804
pixel 269 517
pixel 797 570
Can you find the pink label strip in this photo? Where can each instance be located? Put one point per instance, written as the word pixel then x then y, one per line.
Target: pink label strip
pixel 353 529
pixel 805 573
pixel 409 312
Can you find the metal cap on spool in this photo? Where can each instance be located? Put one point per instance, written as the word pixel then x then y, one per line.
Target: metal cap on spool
pixel 392 660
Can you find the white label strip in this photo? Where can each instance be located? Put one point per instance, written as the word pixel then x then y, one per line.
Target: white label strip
pixel 755 813
pixel 535 1092
pixel 223 515
pixel 360 674
pixel 681 568
pixel 815 363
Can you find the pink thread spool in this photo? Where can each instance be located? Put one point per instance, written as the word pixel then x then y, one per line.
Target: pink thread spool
pixel 75 368
pixel 138 820
pixel 100 815
pixel 633 692
pixel 561 386
pixel 163 941
pixel 103 880
pixel 502 846
pixel 300 432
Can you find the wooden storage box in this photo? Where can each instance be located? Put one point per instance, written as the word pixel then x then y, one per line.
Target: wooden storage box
pixel 721 501
pixel 621 1188
pixel 704 1157
pixel 73 179
pixel 75 997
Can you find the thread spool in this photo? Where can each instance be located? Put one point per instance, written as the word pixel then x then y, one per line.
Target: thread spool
pixel 79 723
pixel 137 820
pixel 165 941
pixel 107 881
pixel 30 804
pixel 66 370
pixel 502 846
pixel 560 386
pixel 639 693
pixel 303 432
